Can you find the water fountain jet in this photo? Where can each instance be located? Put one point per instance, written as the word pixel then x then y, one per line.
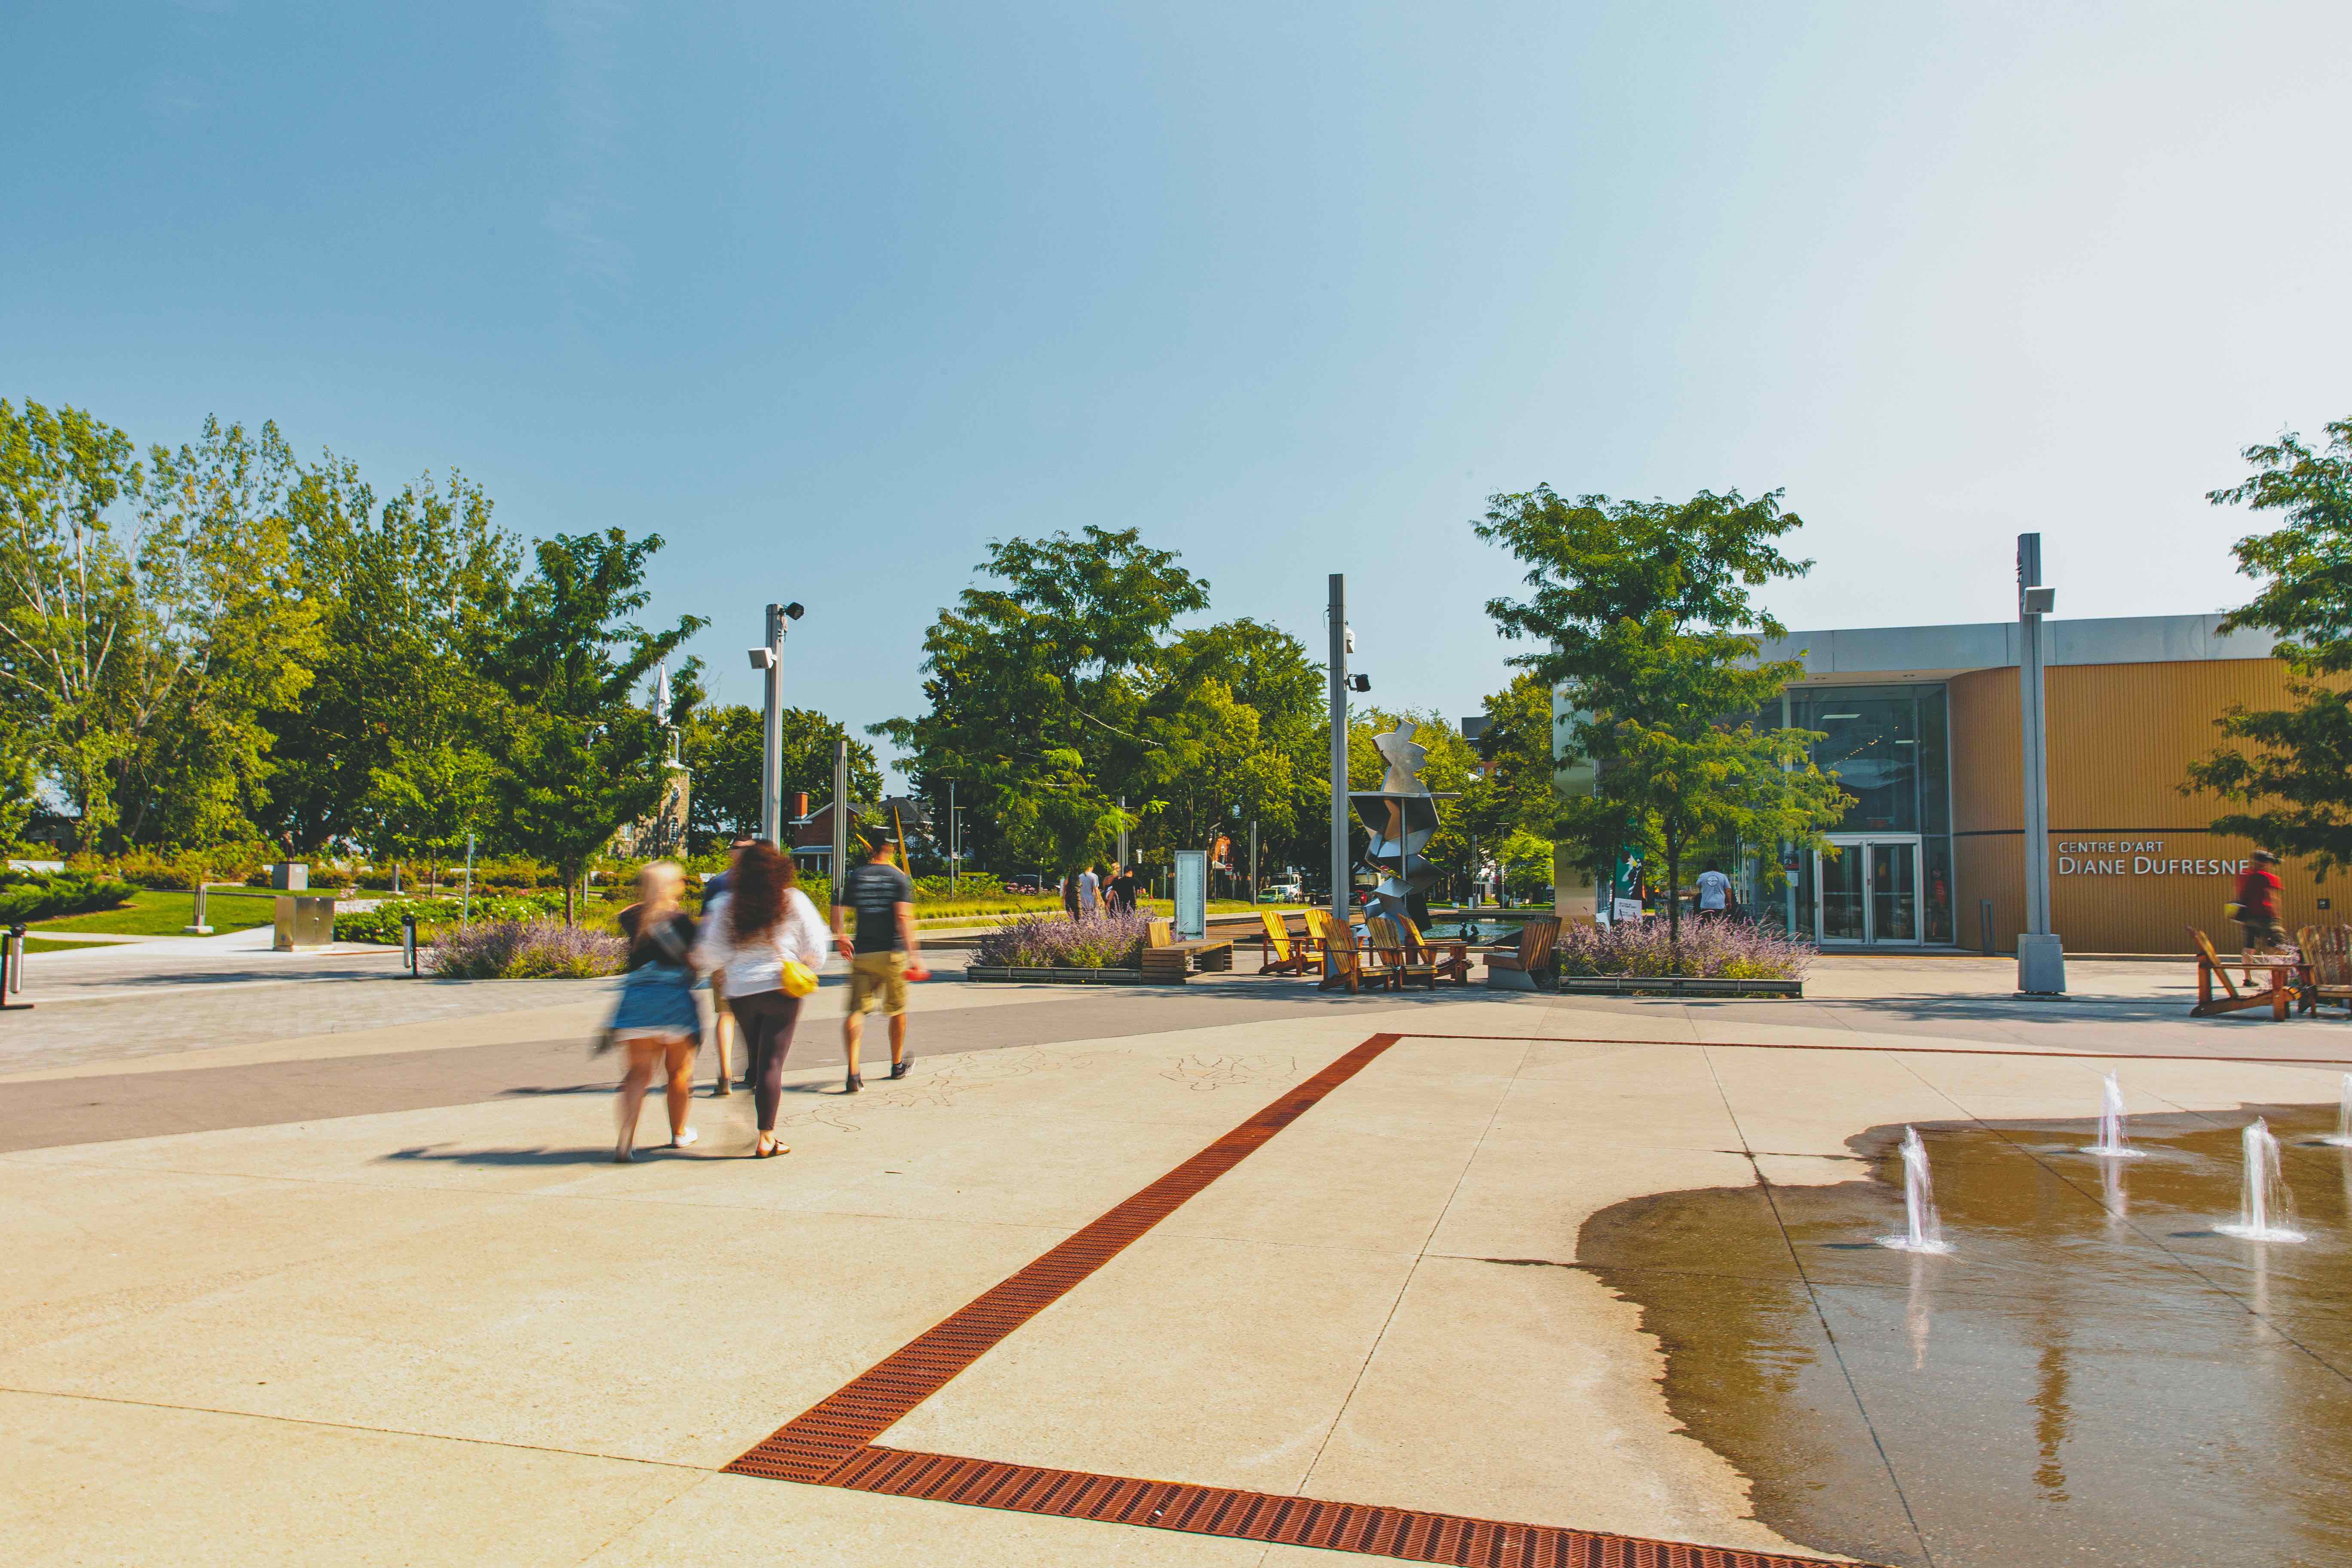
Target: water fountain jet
pixel 2343 1138
pixel 2265 1206
pixel 1922 1231
pixel 2114 1142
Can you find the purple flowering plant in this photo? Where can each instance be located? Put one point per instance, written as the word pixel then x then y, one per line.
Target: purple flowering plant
pixel 1057 942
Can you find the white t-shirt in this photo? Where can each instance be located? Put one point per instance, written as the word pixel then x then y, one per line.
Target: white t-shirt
pixel 1089 890
pixel 757 966
pixel 1712 888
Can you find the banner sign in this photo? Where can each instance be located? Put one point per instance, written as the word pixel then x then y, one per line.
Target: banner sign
pixel 1191 894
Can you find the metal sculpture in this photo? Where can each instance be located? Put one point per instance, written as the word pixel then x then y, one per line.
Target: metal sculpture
pixel 1402 819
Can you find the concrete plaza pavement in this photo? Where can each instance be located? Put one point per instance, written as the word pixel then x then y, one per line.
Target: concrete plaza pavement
pixel 375 1294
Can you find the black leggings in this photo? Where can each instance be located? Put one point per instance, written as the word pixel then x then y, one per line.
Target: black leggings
pixel 766 1018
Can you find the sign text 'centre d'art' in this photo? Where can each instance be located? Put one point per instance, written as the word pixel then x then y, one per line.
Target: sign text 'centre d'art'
pixel 2135 858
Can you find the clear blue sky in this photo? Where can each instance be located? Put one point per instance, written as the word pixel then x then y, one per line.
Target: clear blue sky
pixel 830 295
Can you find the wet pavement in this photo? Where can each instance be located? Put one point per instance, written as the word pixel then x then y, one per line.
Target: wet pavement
pixel 2094 1375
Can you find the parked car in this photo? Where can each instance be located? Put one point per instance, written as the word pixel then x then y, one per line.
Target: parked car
pixel 1023 882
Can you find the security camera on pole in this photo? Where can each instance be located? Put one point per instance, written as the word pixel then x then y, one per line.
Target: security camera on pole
pixel 769 657
pixel 2041 957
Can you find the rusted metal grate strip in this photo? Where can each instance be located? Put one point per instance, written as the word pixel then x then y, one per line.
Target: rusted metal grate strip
pixel 831 1431
pixel 831 1443
pixel 1409 1533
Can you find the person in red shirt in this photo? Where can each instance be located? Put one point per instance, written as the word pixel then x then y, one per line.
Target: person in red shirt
pixel 2258 905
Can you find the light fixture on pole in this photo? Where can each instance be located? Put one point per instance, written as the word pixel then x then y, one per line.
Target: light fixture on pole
pixel 2041 956
pixel 769 658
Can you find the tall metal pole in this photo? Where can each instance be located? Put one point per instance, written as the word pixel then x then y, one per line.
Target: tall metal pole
pixel 2040 958
pixel 840 810
pixel 955 840
pixel 1253 859
pixel 1339 857
pixel 771 736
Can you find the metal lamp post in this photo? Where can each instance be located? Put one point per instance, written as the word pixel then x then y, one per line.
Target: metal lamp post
pixel 1338 670
pixel 769 658
pixel 2041 957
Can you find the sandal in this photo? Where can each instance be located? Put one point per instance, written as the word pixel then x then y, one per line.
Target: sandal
pixel 773 1149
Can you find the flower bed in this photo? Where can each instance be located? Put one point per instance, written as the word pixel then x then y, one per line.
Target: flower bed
pixel 1057 942
pixel 525 949
pixel 1712 950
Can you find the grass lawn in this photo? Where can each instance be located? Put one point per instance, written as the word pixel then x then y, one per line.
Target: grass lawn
pixel 151 913
pixel 34 945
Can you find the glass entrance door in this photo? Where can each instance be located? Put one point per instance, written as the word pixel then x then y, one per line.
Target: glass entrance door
pixel 1869 891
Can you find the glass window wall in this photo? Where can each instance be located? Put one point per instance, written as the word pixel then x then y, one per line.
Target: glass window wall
pixel 1888 747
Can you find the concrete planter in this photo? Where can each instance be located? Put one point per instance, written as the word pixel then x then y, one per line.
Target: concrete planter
pixel 1055 976
pixel 1674 985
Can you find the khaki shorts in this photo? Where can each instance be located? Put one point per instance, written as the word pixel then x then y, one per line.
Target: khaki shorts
pixel 877 977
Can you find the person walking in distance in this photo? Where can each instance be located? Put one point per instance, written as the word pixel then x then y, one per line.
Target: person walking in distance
pixel 722 1022
pixel 1070 894
pixel 1714 893
pixel 2258 897
pixel 1089 892
pixel 881 958
pixel 656 1022
pixel 1120 892
pixel 763 933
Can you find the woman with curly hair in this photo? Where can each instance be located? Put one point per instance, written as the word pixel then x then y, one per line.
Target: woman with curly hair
pixel 762 922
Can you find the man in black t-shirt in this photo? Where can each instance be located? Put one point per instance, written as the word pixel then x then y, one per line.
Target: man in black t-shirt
pixel 880 958
pixel 1119 893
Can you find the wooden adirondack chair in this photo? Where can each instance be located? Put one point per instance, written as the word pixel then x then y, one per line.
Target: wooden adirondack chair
pixel 1278 955
pixel 1529 958
pixel 1403 962
pixel 2327 954
pixel 1452 958
pixel 2209 968
pixel 1343 960
pixel 1319 932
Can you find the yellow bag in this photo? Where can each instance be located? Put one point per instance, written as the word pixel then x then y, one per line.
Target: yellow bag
pixel 799 979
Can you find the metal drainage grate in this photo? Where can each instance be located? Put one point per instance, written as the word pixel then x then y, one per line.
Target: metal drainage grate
pixel 830 1443
pixel 1405 1533
pixel 812 1445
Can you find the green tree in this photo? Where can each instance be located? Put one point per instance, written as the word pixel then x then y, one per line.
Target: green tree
pixel 578 756
pixel 721 745
pixel 69 599
pixel 1645 613
pixel 398 710
pixel 230 637
pixel 2290 768
pixel 1035 682
pixel 1243 697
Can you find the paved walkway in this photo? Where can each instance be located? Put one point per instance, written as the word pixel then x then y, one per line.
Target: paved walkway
pixel 377 1295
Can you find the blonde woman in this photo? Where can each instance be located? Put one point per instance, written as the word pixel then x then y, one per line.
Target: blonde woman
pixel 657 1021
pixel 752 930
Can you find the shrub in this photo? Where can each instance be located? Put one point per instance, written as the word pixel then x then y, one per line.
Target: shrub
pixel 525 949
pixel 382 923
pixel 1726 949
pixel 1056 942
pixel 180 871
pixel 28 896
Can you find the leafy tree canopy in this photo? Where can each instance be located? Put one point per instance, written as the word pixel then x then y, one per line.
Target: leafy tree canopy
pixel 2290 768
pixel 721 745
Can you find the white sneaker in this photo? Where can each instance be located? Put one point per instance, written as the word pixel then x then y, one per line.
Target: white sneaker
pixel 689 1136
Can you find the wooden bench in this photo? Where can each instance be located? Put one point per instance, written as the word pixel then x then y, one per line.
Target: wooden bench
pixel 1519 966
pixel 2210 966
pixel 1168 960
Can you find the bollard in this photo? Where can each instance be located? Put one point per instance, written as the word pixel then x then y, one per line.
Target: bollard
pixel 408 943
pixel 198 928
pixel 12 971
pixel 1984 913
